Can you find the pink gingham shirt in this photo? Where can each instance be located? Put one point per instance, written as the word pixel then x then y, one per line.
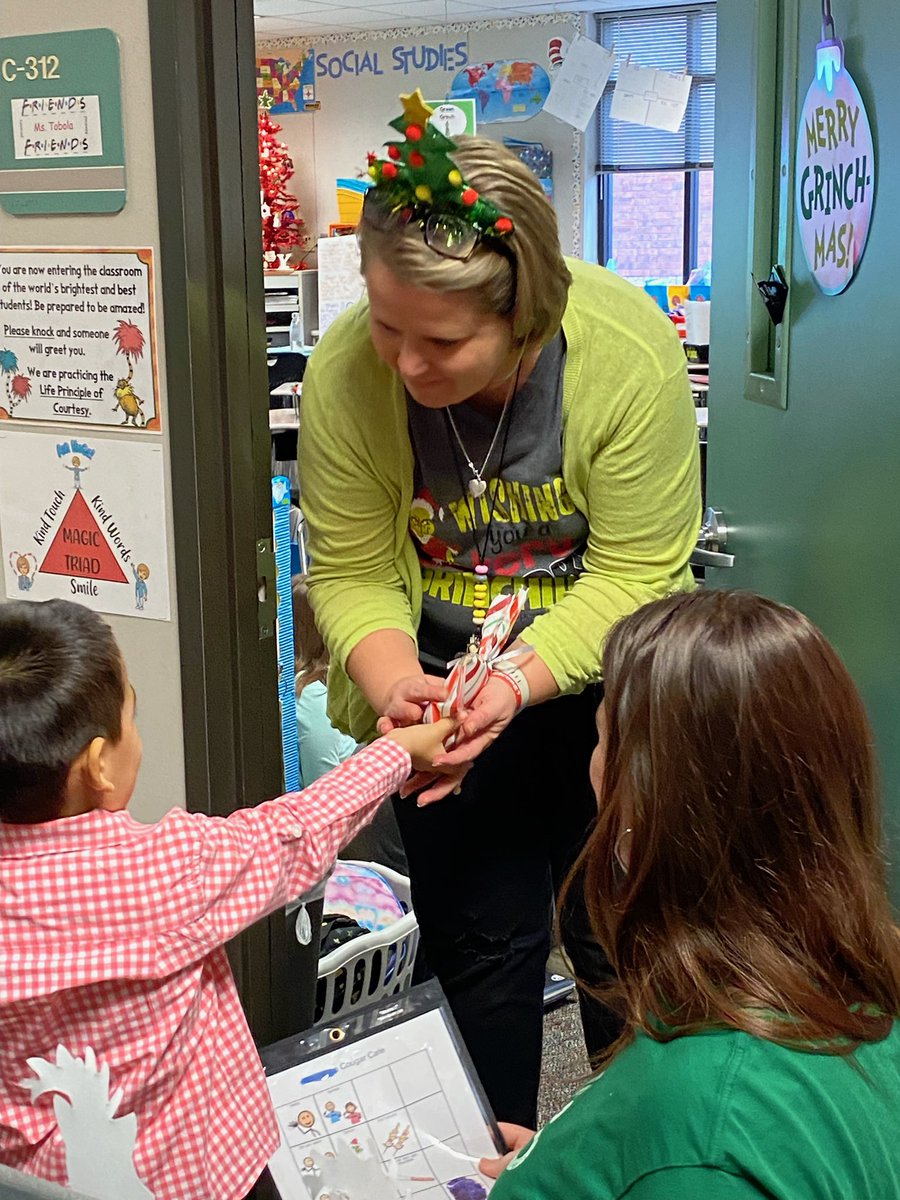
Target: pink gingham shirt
pixel 112 936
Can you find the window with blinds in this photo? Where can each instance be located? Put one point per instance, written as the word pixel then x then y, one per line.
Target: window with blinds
pixel 655 189
pixel 676 40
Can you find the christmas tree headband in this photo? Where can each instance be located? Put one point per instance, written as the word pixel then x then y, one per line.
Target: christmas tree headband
pixel 419 181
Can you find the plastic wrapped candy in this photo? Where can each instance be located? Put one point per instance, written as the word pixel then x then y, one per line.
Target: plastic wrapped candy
pixel 470 673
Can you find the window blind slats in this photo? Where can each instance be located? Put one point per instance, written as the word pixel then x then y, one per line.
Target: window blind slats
pixel 675 40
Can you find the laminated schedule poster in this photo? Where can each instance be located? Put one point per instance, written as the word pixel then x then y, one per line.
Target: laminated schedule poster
pixel 78 337
pixel 383 1107
pixel 84 519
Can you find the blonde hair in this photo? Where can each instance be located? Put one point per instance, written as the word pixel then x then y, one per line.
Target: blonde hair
pixel 541 278
pixel 310 655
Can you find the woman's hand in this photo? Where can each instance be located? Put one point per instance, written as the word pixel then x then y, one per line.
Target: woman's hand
pixel 448 779
pixel 491 711
pixel 406 700
pixel 404 708
pixel 515 1136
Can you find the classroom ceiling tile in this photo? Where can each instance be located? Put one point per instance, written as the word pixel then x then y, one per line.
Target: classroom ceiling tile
pixel 298 17
pixel 369 16
pixel 412 10
pixel 289 8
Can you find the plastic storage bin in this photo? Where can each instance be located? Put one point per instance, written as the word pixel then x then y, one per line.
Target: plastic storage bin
pixel 350 193
pixel 371 967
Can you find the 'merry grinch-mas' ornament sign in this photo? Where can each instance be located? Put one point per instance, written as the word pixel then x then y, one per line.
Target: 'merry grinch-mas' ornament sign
pixel 835 169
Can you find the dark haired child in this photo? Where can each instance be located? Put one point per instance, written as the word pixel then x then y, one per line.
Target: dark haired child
pixel 112 933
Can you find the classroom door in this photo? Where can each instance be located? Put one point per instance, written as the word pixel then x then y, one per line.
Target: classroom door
pixel 203 75
pixel 810 491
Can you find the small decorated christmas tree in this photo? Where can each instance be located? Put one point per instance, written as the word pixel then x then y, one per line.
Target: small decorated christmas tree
pixel 282 226
pixel 420 175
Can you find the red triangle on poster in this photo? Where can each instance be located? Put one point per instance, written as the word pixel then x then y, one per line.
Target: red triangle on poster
pixel 80 549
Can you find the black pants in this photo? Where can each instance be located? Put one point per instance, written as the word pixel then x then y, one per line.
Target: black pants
pixel 485 867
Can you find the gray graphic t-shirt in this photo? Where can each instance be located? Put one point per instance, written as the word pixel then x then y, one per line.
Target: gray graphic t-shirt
pixel 525 528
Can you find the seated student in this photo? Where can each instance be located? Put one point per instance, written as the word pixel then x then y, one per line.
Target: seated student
pixel 112 933
pixel 736 882
pixel 321 745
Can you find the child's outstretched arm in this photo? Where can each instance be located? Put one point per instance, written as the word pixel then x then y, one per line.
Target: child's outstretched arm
pixel 257 859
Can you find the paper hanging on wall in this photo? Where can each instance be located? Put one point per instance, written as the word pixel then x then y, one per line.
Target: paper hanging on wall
pixel 340 281
pixel 646 96
pixel 453 117
pixel 579 82
pixel 289 87
pixel 85 521
pixel 509 90
pixel 78 337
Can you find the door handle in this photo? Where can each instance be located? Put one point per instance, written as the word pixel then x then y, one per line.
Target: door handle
pixel 713 537
pixel 710 558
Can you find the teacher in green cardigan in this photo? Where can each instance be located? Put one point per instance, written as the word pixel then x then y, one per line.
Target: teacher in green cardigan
pixel 491 416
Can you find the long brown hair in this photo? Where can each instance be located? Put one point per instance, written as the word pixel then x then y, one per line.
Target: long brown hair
pixel 310 655
pixel 739 761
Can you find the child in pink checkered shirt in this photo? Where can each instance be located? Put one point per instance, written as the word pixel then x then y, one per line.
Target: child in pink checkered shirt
pixel 112 933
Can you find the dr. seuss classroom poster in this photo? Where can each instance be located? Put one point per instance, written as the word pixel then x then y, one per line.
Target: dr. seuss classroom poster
pixel 83 519
pixel 78 337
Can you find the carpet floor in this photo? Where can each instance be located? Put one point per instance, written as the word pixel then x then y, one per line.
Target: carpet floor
pixel 565 1066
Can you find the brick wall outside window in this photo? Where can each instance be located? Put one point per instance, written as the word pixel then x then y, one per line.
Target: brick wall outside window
pixel 648 224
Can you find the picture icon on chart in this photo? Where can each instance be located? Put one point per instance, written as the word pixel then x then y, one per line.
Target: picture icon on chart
pixel 306 1121
pixel 330 1110
pixel 24 568
pixel 16 379
pixel 141 574
pixel 129 341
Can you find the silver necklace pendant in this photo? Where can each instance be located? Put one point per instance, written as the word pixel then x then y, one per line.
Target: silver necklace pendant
pixel 477 487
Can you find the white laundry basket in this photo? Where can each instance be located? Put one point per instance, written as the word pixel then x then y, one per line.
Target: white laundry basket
pixel 370 967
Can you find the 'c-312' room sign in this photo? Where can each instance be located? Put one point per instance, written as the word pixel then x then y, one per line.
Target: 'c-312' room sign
pixel 62 148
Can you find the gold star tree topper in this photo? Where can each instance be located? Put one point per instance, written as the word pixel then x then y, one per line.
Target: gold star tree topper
pixel 415 109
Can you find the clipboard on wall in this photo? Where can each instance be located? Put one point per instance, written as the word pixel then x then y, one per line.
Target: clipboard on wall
pixel 384 1105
